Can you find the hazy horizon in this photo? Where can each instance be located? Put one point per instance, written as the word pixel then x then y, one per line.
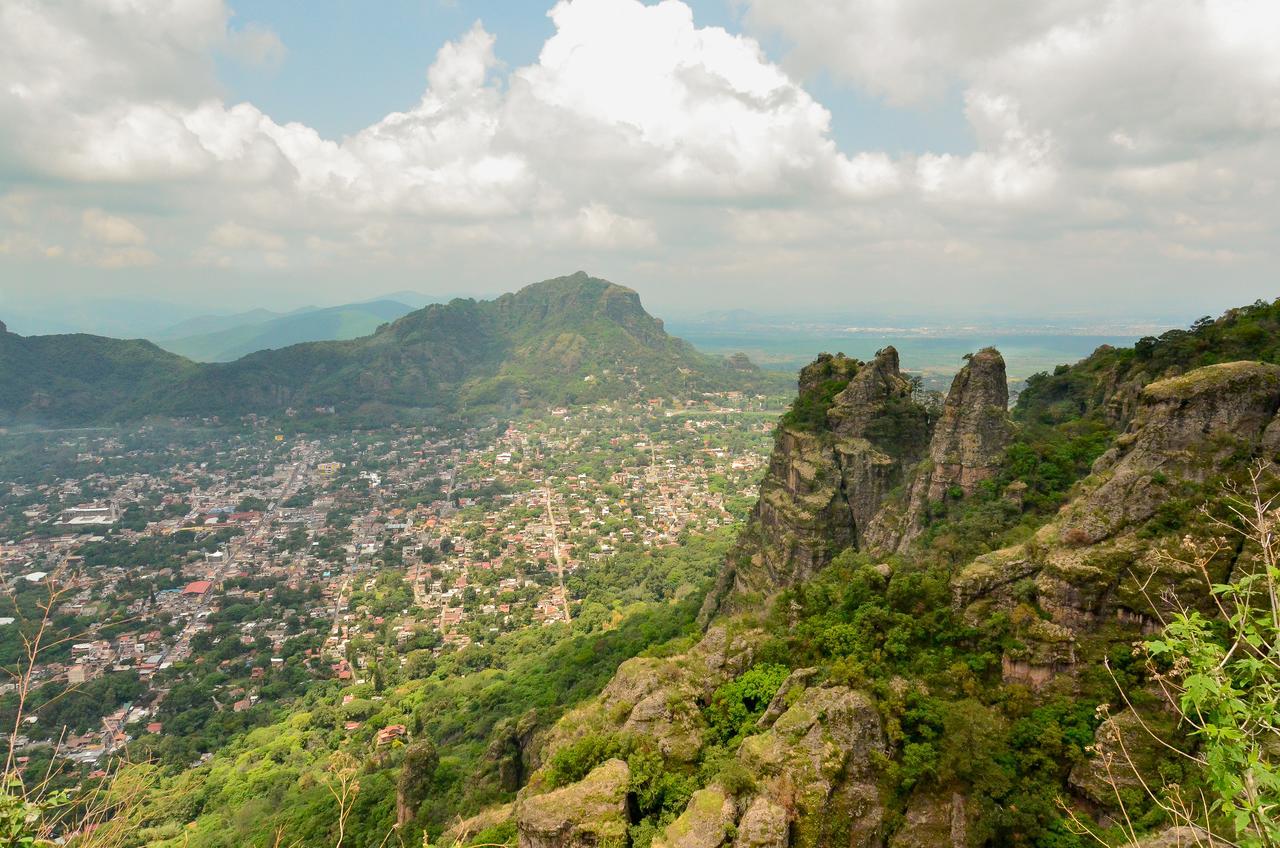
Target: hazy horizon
pixel 154 317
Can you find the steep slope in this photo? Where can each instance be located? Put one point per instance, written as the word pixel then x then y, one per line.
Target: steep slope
pixel 276 331
pixel 1099 562
pixel 912 704
pixel 78 379
pixel 572 339
pixel 846 442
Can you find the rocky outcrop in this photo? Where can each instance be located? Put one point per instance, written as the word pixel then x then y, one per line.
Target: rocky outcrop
pixel 974 429
pixel 1186 428
pixel 460 832
pixel 589 814
pixel 813 773
pixel 1099 568
pixel 1120 743
pixel 763 825
pixel 512 750
pixel 828 475
pixel 817 764
pixel 796 681
pixel 967 447
pixel 656 698
pixel 705 823
pixel 935 818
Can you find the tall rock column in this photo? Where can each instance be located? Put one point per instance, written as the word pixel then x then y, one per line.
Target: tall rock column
pixel 836 456
pixel 967 447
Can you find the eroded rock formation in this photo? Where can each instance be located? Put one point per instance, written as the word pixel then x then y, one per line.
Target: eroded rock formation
pixel 1084 583
pixel 828 475
pixel 967 447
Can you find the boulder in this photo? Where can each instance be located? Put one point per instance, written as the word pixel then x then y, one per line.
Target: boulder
pixel 705 823
pixel 764 825
pixel 935 818
pixel 818 761
pixel 589 814
pixel 656 698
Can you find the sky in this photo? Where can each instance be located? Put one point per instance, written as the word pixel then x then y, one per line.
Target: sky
pixel 1073 159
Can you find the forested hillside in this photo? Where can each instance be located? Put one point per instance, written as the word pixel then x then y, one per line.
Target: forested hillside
pixel 574 339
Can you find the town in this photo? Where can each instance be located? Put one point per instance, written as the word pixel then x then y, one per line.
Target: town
pixel 190 581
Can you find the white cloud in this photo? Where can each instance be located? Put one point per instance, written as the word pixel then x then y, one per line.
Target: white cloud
pixel 1113 81
pixel 109 241
pixel 235 236
pixel 111 229
pixel 118 257
pixel 598 226
pixel 639 134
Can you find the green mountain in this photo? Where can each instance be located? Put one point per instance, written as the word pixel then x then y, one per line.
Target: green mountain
pixel 202 325
pixel 78 378
pixel 269 331
pixel 568 340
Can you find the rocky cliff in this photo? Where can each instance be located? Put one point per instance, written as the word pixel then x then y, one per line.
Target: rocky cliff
pixel 846 443
pixel 833 471
pixel 1108 563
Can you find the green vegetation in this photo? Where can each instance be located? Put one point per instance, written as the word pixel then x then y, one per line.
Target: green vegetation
pixel 1080 391
pixel 1040 466
pixel 569 340
pixel 938 683
pixel 820 382
pixel 1224 675
pixel 474 709
pixel 736 705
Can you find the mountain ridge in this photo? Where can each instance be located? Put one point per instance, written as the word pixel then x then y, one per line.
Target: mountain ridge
pixel 272 331
pixel 570 339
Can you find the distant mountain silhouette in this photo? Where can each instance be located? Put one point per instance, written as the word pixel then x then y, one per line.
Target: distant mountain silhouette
pixel 569 340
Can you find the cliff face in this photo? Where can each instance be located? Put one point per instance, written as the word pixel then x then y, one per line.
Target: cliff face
pixel 828 475
pixel 974 428
pixel 828 487
pixel 967 447
pixel 1102 567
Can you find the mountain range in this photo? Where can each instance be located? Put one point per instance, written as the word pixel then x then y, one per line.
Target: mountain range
pixel 570 339
pixel 231 337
